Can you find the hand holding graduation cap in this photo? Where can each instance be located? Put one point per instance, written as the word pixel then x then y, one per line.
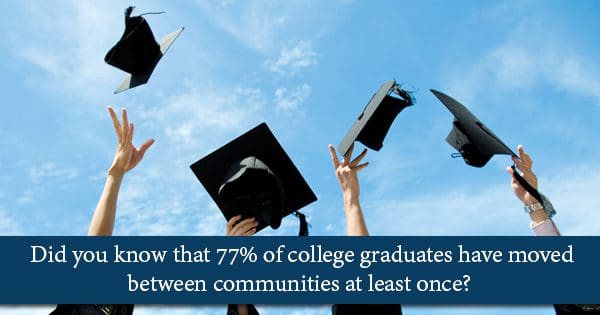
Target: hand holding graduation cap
pixel 238 227
pixel 127 155
pixel 524 163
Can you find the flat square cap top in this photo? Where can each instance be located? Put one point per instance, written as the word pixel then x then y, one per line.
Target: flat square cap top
pixel 254 164
pixel 374 122
pixel 469 136
pixel 137 51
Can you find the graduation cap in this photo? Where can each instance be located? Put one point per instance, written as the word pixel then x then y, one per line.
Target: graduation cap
pixel 359 309
pixel 476 143
pixel 377 117
pixel 252 176
pixel 93 309
pixel 137 52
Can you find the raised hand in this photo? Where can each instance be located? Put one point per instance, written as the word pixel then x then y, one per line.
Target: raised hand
pixel 127 156
pixel 346 172
pixel 524 165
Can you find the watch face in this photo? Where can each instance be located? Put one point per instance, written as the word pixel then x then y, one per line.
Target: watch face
pixel 533 207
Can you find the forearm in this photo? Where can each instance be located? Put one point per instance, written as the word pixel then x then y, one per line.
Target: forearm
pixel 538 216
pixel 103 219
pixel 355 221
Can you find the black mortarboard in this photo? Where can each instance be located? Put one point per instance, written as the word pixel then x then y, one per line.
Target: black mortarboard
pixel 92 309
pixel 137 52
pixel 475 142
pixel 252 176
pixel 377 117
pixel 359 309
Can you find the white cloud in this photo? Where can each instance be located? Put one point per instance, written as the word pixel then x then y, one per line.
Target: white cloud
pixel 533 54
pixel 572 191
pixel 68 44
pixel 460 211
pixel 8 225
pixel 491 210
pixel 188 116
pixel 49 171
pixel 254 23
pixel 289 100
pixel 294 58
pixel 27 197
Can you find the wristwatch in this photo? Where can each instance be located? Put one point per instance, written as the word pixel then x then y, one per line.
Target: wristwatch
pixel 533 207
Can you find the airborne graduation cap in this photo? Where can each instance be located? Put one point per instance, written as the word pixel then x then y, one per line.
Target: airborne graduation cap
pixel 252 176
pixel 476 143
pixel 137 52
pixel 377 117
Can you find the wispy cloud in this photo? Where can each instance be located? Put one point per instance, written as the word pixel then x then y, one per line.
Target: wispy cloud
pixel 68 46
pixel 253 23
pixel 573 191
pixel 256 24
pixel 49 171
pixel 8 225
pixel 492 210
pixel 535 53
pixel 294 58
pixel 289 100
pixel 27 197
pixel 188 116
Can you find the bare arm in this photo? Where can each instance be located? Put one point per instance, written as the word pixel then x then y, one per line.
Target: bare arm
pixel 346 173
pixel 127 156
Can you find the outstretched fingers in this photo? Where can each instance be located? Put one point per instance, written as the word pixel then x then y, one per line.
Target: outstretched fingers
pixel 348 155
pixel 334 158
pixel 130 135
pixel 125 123
pixel 116 124
pixel 144 147
pixel 525 157
pixel 358 158
pixel 361 166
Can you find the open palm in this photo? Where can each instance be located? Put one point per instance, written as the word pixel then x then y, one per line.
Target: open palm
pixel 127 155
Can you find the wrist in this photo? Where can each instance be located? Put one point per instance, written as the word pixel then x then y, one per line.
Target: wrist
pixel 351 198
pixel 536 212
pixel 528 200
pixel 116 171
pixel 538 216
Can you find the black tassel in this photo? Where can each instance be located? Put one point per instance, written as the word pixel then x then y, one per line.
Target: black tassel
pixel 303 224
pixel 128 12
pixel 532 191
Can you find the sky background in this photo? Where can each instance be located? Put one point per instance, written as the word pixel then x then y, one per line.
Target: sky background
pixel 527 69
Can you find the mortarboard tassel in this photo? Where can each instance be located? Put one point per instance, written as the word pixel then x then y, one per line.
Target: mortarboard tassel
pixel 303 224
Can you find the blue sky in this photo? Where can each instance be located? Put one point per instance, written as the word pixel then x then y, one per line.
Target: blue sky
pixel 528 69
